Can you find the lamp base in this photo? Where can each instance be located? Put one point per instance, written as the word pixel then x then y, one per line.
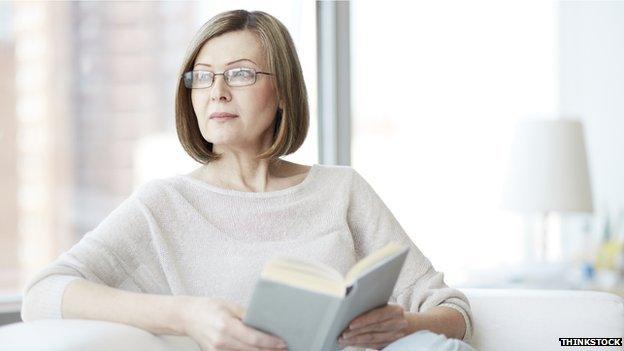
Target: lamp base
pixel 544 240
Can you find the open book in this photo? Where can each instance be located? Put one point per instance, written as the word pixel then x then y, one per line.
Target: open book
pixel 308 304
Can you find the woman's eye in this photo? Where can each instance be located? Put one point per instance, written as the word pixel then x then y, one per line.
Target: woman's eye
pixel 241 73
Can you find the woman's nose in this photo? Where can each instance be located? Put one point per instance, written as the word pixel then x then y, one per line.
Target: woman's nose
pixel 219 89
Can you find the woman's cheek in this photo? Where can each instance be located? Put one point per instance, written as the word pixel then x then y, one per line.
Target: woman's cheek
pixel 198 105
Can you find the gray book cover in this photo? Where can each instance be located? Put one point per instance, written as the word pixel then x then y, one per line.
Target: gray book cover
pixel 312 321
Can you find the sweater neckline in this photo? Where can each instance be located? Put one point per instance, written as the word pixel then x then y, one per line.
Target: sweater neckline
pixel 265 194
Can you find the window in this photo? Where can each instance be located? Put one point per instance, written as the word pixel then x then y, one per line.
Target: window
pixel 79 131
pixel 436 90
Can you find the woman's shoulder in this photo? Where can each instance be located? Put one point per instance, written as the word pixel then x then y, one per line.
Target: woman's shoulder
pixel 346 173
pixel 337 169
pixel 296 173
pixel 153 189
pixel 293 171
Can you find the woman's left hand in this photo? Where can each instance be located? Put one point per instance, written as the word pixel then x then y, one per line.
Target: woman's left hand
pixel 376 328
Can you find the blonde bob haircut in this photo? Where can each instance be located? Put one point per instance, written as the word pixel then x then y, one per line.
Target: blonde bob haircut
pixel 291 124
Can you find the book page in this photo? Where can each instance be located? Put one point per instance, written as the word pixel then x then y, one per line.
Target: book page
pixel 303 274
pixel 310 267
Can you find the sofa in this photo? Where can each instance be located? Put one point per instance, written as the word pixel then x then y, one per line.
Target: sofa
pixel 504 319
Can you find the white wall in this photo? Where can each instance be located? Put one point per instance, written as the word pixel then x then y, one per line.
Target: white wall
pixel 591 61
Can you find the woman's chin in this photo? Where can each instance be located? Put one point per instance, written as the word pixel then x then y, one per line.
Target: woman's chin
pixel 222 139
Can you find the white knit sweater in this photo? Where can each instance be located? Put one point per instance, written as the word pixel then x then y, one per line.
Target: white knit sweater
pixel 182 236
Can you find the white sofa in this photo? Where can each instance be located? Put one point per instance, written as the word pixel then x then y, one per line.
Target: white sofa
pixel 504 319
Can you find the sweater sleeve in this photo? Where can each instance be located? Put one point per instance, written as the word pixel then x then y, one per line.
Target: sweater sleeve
pixel 105 255
pixel 419 286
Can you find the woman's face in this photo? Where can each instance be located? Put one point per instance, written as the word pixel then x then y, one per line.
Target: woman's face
pixel 254 104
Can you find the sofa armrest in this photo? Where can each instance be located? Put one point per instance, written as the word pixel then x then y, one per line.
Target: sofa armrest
pixel 87 335
pixel 534 319
pixel 503 319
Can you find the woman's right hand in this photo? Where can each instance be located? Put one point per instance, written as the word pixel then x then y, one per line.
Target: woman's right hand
pixel 216 324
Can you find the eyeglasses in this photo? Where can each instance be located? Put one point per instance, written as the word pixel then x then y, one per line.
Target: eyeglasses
pixel 235 77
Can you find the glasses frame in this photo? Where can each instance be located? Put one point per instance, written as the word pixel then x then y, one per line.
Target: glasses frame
pixel 214 76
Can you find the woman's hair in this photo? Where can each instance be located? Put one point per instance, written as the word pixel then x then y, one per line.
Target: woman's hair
pixel 291 125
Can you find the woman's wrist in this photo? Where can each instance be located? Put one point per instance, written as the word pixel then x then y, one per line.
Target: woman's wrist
pixel 181 312
pixel 440 320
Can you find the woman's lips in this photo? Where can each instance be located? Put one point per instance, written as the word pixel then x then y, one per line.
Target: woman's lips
pixel 224 118
pixel 222 115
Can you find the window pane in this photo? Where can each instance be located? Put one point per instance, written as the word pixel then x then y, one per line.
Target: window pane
pixel 87 113
pixel 437 88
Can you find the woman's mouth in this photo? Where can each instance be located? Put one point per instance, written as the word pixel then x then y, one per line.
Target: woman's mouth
pixel 223 118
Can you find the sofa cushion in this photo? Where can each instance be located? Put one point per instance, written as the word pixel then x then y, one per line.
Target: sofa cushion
pixel 87 335
pixel 534 319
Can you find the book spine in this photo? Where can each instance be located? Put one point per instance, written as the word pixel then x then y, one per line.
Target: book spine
pixel 338 322
pixel 326 326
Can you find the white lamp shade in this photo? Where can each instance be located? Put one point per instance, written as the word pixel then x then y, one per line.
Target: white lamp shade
pixel 548 168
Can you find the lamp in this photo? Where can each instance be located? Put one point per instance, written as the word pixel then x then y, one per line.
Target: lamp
pixel 548 171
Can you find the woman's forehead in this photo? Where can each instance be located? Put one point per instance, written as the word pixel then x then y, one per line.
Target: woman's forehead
pixel 230 47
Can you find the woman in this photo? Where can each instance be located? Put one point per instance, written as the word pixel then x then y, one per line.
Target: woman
pixel 182 254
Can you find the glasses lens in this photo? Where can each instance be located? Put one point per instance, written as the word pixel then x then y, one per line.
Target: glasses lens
pixel 240 76
pixel 197 79
pixel 188 79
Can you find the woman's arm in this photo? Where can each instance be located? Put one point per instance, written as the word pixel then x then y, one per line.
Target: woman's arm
pixel 419 287
pixel 438 319
pixel 158 314
pixel 212 323
pixel 108 255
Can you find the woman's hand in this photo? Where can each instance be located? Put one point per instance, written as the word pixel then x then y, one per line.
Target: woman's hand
pixel 376 328
pixel 216 324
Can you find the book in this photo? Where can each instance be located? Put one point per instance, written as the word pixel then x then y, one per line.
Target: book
pixel 308 304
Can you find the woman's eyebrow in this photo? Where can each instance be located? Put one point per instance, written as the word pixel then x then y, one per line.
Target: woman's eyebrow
pixel 229 63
